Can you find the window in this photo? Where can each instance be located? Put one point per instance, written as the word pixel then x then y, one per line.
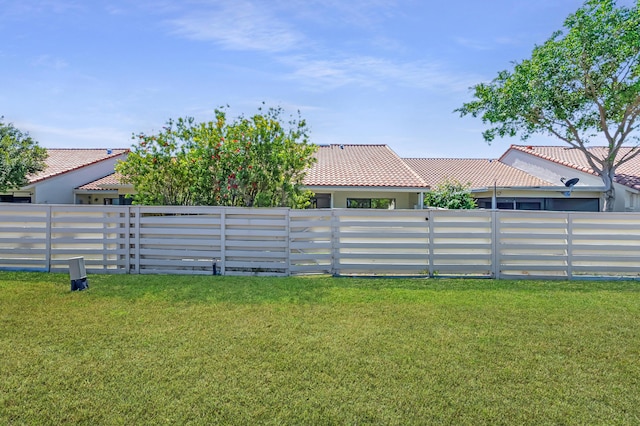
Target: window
pixel 552 204
pixel 124 200
pixel 13 199
pixel 371 203
pixel 321 201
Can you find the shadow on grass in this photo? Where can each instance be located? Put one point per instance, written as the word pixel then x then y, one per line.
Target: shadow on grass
pixel 315 289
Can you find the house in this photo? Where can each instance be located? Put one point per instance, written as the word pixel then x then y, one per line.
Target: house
pixel 65 170
pixel 374 176
pixel 497 185
pixel 557 163
pixel 364 176
pixel 107 190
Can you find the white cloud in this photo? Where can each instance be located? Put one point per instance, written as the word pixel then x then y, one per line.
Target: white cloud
pixel 87 137
pixel 238 26
pixel 353 13
pixel 483 45
pixel 48 61
pixel 26 9
pixel 375 72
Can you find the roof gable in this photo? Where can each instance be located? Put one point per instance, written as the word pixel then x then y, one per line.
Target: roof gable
pixel 107 183
pixel 60 161
pixel 477 172
pixel 361 166
pixel 628 174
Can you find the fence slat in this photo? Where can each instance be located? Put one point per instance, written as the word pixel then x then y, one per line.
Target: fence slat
pixel 190 240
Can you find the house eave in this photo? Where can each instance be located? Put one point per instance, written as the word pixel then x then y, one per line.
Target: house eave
pixel 540 188
pixel 329 188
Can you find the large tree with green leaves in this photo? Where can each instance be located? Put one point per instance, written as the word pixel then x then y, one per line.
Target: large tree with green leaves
pixel 20 156
pixel 581 86
pixel 257 161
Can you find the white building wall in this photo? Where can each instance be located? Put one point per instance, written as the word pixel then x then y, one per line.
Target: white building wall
pixel 552 172
pixel 59 189
pixel 547 170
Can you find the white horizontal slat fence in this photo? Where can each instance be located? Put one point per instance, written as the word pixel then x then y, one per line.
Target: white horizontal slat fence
pixel 604 245
pixel 25 237
pixel 282 242
pixel 461 243
pixel 174 240
pixel 256 242
pixel 98 235
pixel 310 242
pixel 381 242
pixel 532 244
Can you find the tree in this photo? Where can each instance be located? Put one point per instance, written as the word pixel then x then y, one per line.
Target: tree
pixel 450 194
pixel 578 86
pixel 259 161
pixel 20 156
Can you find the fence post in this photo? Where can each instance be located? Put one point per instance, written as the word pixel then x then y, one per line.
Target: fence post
pixel 431 222
pixel 334 243
pixel 126 216
pixel 569 246
pixel 223 241
pixel 136 238
pixel 495 239
pixel 48 239
pixel 288 248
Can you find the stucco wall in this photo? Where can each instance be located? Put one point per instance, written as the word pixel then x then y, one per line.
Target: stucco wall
pixel 59 189
pixel 552 172
pixel 404 200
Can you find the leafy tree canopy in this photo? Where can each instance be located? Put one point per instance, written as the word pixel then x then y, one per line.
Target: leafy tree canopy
pixel 20 156
pixel 450 194
pixel 257 161
pixel 581 86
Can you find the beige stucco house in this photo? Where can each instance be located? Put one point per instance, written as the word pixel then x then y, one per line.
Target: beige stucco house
pixel 374 176
pixel 497 185
pixel 366 176
pixel 557 163
pixel 66 169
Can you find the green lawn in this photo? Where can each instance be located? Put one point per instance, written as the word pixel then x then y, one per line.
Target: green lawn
pixel 202 350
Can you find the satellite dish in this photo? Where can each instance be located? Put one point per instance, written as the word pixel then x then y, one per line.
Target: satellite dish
pixel 569 183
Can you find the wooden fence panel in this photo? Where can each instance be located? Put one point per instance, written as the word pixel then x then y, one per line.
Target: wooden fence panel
pixel 96 233
pixel 381 242
pixel 605 245
pixel 281 242
pixel 310 242
pixel 176 240
pixel 24 237
pixel 461 243
pixel 256 242
pixel 532 244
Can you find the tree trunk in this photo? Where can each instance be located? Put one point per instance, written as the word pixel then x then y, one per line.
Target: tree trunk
pixel 609 190
pixel 609 199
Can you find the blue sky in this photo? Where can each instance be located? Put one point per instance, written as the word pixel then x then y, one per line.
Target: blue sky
pixel 90 73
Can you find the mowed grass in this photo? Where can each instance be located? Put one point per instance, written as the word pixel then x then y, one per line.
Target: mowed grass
pixel 223 350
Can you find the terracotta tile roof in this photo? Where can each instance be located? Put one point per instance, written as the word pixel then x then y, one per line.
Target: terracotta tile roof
pixel 627 174
pixel 65 160
pixel 361 166
pixel 107 183
pixel 479 173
